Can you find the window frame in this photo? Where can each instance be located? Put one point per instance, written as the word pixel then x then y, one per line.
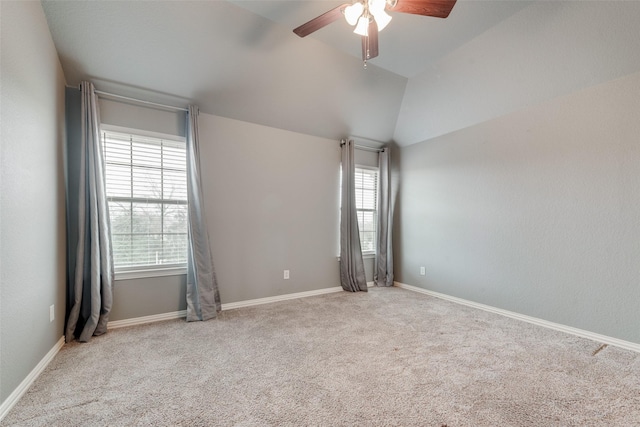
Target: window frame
pixel 370 254
pixel 145 271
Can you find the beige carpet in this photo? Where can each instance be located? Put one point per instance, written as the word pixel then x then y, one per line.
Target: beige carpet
pixel 389 357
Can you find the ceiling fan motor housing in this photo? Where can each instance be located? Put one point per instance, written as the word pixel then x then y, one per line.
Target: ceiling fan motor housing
pixel 369 17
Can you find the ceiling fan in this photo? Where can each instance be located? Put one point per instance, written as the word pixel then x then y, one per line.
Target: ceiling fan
pixel 370 16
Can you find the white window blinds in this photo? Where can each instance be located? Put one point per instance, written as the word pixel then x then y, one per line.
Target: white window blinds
pixel 146 183
pixel 366 186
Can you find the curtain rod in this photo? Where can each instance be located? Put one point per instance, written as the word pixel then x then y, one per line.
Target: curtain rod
pixel 113 95
pixel 363 147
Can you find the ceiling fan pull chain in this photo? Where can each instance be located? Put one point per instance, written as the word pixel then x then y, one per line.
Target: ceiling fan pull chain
pixel 366 52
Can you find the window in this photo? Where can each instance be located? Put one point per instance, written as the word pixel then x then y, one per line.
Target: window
pixel 366 186
pixel 146 182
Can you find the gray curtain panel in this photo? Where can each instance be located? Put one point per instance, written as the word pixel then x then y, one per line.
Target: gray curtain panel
pixel 383 275
pixel 90 287
pixel 203 298
pixel 352 276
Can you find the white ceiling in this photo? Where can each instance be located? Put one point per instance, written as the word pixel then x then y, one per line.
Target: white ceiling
pixel 409 44
pixel 240 59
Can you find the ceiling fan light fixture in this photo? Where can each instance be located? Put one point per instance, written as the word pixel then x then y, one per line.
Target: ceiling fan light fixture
pixel 369 17
pixel 376 6
pixel 353 12
pixel 362 28
pixel 382 19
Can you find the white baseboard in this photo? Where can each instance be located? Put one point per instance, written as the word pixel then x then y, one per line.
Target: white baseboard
pixel 285 297
pixel 628 345
pixel 146 319
pixel 14 397
pixel 229 306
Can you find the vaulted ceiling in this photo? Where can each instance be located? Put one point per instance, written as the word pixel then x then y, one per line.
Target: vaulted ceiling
pixel 410 44
pixel 240 59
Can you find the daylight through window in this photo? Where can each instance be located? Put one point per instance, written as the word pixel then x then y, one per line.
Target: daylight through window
pixel 366 186
pixel 146 183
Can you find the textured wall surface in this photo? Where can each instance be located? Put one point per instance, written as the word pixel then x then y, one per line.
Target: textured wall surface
pixel 32 214
pixel 271 201
pixel 148 296
pixel 118 113
pixel 535 212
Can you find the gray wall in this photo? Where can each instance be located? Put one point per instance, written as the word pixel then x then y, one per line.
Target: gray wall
pixel 271 195
pixel 271 201
pixel 119 113
pixel 32 214
pixel 534 212
pixel 148 296
pixel 549 49
pixel 365 158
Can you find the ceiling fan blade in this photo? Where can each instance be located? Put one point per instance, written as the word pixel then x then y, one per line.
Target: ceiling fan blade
pixel 321 21
pixel 436 8
pixel 370 42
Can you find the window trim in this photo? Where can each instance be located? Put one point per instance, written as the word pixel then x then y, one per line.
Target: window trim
pixel 146 271
pixel 128 273
pixel 142 132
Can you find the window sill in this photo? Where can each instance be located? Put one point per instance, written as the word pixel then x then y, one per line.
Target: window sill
pixel 150 272
pixel 368 255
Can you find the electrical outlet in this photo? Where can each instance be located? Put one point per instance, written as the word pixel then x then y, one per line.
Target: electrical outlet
pixel 52 313
pixel 422 271
pixel 286 275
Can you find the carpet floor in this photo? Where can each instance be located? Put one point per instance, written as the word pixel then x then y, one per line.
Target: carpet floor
pixel 389 357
